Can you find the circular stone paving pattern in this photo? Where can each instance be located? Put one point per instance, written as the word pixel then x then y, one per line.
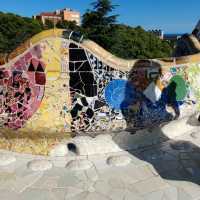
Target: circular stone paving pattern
pixel 119 94
pixel 76 165
pixel 121 160
pixel 39 165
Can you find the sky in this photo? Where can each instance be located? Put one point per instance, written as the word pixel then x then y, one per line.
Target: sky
pixel 172 16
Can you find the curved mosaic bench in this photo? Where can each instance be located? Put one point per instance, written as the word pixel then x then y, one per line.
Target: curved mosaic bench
pixel 55 84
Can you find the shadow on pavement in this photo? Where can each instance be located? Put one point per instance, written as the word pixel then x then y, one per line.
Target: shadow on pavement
pixel 174 159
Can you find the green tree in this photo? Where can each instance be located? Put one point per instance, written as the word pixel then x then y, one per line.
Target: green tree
pixel 15 29
pixel 97 23
pixel 129 43
pixel 122 40
pixel 70 25
pixel 48 24
pixel 99 16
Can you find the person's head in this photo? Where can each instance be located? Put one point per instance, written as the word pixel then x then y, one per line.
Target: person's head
pixel 143 73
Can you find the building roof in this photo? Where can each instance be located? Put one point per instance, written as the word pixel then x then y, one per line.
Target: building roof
pixel 48 14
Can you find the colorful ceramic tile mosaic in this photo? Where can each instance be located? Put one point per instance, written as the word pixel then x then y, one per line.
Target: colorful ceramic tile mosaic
pixel 60 86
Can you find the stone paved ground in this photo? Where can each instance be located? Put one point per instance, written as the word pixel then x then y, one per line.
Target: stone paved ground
pixel 168 171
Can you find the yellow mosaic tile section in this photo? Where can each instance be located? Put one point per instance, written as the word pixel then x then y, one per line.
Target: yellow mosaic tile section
pixel 53 114
pixel 45 34
pixel 51 55
pixel 50 116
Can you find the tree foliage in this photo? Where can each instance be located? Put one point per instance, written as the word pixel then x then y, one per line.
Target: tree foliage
pixel 15 30
pixel 99 17
pixel 129 42
pixel 122 40
pixel 98 24
pixel 69 25
pixel 48 24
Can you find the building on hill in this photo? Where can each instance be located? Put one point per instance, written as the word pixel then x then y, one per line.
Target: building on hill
pixel 59 15
pixel 172 36
pixel 157 32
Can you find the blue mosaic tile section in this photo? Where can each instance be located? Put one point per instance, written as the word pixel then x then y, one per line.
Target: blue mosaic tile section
pixel 119 94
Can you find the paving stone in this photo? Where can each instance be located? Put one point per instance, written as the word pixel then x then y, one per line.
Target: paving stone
pixel 181 145
pixel 72 192
pixel 96 196
pixel 88 196
pixel 177 128
pixel 8 195
pixel 116 194
pixel 40 165
pixel 92 174
pixel 110 173
pixel 79 165
pixel 22 183
pixel 22 170
pixel 184 156
pixel 153 170
pixel 165 197
pixel 66 177
pixel 33 194
pixel 129 174
pixel 128 141
pixel 118 161
pixel 132 189
pixel 58 193
pixel 72 180
pixel 116 183
pixel 59 163
pixel 91 188
pixel 79 196
pixel 156 154
pixel 6 159
pixel 152 154
pixel 7 176
pixel 172 175
pixel 139 173
pixel 99 161
pixel 102 187
pixel 182 195
pixel 57 171
pixel 186 187
pixel 83 176
pixel 157 195
pixel 7 184
pixel 59 151
pixel 150 185
pixel 46 182
pixel 171 193
pixel 161 166
pixel 194 172
pixel 194 155
pixel 166 147
pixel 195 135
pixel 19 167
pixel 133 196
pixel 136 160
